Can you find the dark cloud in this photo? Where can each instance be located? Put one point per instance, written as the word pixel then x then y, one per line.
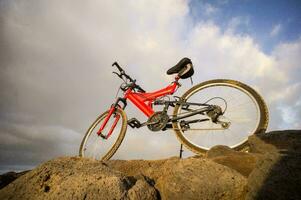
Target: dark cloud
pixel 56 74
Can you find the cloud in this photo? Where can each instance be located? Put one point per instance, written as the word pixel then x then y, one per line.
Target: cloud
pixel 286 96
pixel 209 9
pixel 56 68
pixel 276 30
pixel 55 74
pixel 237 22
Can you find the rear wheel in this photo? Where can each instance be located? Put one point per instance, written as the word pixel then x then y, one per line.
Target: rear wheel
pixel 245 113
pixel 97 147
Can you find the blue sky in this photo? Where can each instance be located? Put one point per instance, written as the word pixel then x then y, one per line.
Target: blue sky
pixel 257 18
pixel 56 74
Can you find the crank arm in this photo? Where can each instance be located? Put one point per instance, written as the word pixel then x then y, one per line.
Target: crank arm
pixel 149 123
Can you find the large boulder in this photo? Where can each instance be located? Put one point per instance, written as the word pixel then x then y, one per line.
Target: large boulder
pixel 242 162
pixel 77 178
pixel 200 179
pixel 275 141
pixel 277 174
pixel 191 178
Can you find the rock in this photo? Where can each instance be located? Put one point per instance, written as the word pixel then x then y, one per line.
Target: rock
pixel 271 170
pixel 200 179
pixel 150 168
pixel 141 190
pixel 191 178
pixel 9 177
pixel 276 176
pixel 242 162
pixel 77 178
pixel 220 150
pixel 288 140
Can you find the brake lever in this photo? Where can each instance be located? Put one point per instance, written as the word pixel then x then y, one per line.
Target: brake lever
pixel 119 75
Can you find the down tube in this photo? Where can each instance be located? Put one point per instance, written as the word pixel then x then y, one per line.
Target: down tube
pixel 147 110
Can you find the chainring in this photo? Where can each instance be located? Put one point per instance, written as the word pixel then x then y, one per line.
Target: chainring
pixel 157 121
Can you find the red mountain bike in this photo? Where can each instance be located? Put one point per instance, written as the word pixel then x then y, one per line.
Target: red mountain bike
pixel 214 112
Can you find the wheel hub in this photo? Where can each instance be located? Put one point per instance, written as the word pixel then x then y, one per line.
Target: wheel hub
pixel 225 125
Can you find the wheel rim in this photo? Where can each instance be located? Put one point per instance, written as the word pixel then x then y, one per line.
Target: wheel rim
pixel 96 147
pixel 244 122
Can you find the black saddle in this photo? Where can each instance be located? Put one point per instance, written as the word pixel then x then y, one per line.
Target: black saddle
pixel 183 68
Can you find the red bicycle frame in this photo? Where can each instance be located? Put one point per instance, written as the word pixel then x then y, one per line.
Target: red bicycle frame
pixel 143 101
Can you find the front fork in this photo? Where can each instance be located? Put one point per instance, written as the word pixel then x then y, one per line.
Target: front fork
pixel 112 111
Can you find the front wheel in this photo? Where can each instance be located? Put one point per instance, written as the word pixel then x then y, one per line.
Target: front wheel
pixel 97 147
pixel 243 110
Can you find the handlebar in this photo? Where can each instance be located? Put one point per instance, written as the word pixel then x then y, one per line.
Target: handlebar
pixel 123 74
pixel 119 68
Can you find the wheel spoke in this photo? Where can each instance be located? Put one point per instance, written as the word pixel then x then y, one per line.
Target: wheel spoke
pixel 96 147
pixel 242 111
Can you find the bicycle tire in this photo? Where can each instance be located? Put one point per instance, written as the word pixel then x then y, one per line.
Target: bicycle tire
pixel 263 110
pixel 118 141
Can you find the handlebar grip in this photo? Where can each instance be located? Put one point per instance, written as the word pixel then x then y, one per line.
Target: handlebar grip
pixel 119 68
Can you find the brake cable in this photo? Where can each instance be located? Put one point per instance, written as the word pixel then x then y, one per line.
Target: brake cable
pixel 226 105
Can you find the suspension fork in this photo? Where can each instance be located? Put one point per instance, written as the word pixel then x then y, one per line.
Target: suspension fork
pixel 103 125
pixel 116 116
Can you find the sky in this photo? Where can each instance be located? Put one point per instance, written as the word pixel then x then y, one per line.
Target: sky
pixel 56 74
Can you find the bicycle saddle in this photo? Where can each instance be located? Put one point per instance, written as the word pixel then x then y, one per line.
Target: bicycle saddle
pixel 184 68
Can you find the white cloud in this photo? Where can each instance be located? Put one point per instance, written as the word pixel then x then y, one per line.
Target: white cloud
pixel 237 22
pixel 276 30
pixel 209 9
pixel 231 55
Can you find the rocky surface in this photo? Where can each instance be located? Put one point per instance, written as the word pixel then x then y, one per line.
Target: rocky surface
pixel 191 178
pixel 78 178
pixel 270 170
pixel 277 174
pixel 242 162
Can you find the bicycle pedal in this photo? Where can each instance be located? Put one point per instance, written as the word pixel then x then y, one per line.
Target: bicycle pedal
pixel 134 123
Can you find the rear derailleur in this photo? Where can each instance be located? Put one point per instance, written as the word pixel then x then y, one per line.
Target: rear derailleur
pixel 216 114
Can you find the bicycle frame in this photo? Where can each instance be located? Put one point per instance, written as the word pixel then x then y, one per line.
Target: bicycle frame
pixel 143 101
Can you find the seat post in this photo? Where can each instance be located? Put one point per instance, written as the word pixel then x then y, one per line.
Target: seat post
pixel 177 78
